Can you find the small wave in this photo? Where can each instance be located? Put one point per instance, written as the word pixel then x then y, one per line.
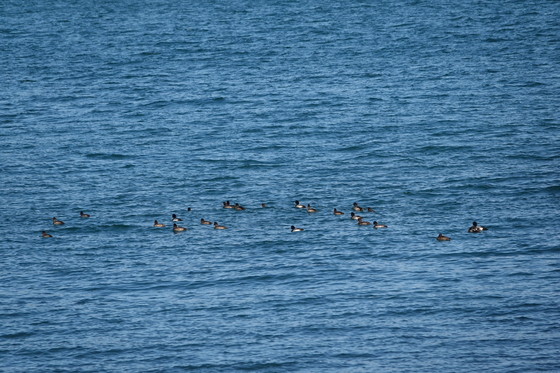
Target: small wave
pixel 552 189
pixel 158 104
pixel 147 53
pixel 520 274
pixel 495 40
pixel 113 227
pixel 108 156
pixel 16 335
pixel 534 84
pixel 351 148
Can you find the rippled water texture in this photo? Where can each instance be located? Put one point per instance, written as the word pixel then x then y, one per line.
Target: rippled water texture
pixel 434 114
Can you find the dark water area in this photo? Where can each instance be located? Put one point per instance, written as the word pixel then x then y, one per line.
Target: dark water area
pixel 434 114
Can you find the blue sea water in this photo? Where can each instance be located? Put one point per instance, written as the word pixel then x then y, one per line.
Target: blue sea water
pixel 433 113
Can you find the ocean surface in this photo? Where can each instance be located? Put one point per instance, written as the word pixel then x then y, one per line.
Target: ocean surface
pixel 434 114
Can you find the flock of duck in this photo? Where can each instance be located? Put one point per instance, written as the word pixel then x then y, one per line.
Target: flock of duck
pixel 475 228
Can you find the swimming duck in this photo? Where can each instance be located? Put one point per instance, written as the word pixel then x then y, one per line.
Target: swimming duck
pixel 369 209
pixel 441 237
pixel 207 222
pixel 376 225
pixel 299 206
pixel 294 229
pixel 309 209
pixel 336 212
pixel 361 222
pixel 217 226
pixel 226 205
pixel 354 216
pixel 175 218
pixel 189 209
pixel 57 222
pixel 239 207
pixel 45 234
pixel 263 205
pixel 356 207
pixel 82 215
pixel 476 228
pixel 177 228
pixel 158 225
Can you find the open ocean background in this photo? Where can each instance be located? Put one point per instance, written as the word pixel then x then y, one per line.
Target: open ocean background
pixel 433 113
